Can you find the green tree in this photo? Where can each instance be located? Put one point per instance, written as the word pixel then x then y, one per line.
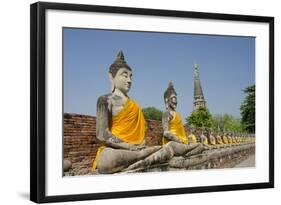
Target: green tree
pixel 200 118
pixel 152 113
pixel 248 109
pixel 227 122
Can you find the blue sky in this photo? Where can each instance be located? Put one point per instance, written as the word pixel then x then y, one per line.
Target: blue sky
pixel 226 66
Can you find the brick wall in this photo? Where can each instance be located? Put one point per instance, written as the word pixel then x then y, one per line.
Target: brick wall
pixel 81 144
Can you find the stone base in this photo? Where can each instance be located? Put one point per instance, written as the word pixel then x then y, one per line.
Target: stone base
pixel 222 157
pixel 226 157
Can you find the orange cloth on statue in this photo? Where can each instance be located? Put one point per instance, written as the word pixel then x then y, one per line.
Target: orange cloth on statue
pixel 225 139
pixel 128 125
pixel 229 140
pixel 192 138
pixel 177 129
pixel 205 140
pixel 212 140
pixel 219 140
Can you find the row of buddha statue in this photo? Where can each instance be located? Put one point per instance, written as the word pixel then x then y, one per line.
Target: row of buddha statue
pixel 209 137
pixel 120 128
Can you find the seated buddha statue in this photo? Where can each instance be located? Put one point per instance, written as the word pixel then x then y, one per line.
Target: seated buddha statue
pixel 237 138
pixel 243 138
pixel 191 137
pixel 233 138
pixel 229 137
pixel 218 138
pixel 203 138
pixel 175 142
pixel 225 138
pixel 120 124
pixel 173 128
pixel 212 139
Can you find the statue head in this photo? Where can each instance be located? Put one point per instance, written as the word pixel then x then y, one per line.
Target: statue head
pixel 170 97
pixel 120 74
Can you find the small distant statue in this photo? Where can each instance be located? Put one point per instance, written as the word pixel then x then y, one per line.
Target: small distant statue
pixel 218 137
pixel 229 137
pixel 212 139
pixel 203 138
pixel 191 137
pixel 233 137
pixel 225 138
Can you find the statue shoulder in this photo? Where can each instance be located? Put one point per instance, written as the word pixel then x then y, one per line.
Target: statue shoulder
pixel 104 100
pixel 167 115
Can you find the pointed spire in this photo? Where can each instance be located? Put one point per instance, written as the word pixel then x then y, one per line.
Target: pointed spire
pixel 198 93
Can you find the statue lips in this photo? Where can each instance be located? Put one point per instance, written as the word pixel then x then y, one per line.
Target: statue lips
pixel 128 86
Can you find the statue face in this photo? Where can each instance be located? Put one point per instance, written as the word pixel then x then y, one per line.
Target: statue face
pixel 122 80
pixel 173 101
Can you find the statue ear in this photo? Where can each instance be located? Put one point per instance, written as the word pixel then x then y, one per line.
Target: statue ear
pixel 111 80
pixel 110 76
pixel 166 103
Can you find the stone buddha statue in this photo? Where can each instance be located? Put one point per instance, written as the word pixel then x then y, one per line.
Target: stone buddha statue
pixel 218 137
pixel 229 137
pixel 225 138
pixel 212 139
pixel 203 138
pixel 191 137
pixel 171 121
pixel 120 124
pixel 240 137
pixel 233 138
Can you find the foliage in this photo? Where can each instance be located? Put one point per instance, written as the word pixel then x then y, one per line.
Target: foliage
pixel 200 118
pixel 227 122
pixel 247 109
pixel 152 113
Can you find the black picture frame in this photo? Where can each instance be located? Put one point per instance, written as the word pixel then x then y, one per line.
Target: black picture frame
pixel 38 101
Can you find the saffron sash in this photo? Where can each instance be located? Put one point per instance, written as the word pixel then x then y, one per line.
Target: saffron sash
pixel 177 129
pixel 128 125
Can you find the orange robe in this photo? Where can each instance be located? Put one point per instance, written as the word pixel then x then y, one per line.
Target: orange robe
pixel 177 129
pixel 128 125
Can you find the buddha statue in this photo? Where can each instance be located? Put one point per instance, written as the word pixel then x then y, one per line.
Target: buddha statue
pixel 224 138
pixel 243 138
pixel 212 139
pixel 191 137
pixel 233 138
pixel 239 137
pixel 218 138
pixel 236 137
pixel 120 124
pixel 229 137
pixel 203 138
pixel 171 121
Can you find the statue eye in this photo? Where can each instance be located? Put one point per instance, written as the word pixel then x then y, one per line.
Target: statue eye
pixel 125 75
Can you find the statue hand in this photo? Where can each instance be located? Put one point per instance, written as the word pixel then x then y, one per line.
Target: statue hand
pixel 111 137
pixel 137 147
